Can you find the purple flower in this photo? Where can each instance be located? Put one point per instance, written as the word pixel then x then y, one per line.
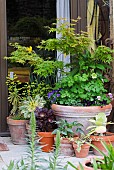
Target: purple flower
pixel 58 95
pixel 50 94
pixel 110 95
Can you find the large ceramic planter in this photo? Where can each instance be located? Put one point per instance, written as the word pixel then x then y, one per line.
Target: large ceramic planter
pixel 96 141
pixel 17 130
pixel 79 113
pixel 83 152
pixel 46 140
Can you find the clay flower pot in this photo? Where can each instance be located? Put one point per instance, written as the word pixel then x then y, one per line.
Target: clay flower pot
pixel 17 130
pixel 86 166
pixel 66 147
pixel 83 152
pixel 46 140
pixel 79 113
pixel 96 141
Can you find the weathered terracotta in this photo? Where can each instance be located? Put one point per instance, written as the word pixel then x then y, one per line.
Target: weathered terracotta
pixel 79 113
pixel 83 152
pixel 96 140
pixel 17 130
pixel 85 167
pixel 66 147
pixel 47 139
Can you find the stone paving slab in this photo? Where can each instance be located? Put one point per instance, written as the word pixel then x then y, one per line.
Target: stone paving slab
pixel 16 152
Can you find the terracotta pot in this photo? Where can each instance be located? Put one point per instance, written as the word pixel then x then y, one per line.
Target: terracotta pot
pixel 17 130
pixel 79 113
pixel 66 147
pixel 47 139
pixel 96 140
pixel 83 152
pixel 85 167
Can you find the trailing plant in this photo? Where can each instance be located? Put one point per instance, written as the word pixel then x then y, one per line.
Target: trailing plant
pixel 66 129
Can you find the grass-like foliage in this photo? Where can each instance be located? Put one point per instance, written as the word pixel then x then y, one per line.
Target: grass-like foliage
pixel 32 159
pixel 54 162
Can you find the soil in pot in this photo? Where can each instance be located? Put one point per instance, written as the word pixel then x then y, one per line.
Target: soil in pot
pixel 47 141
pixel 18 131
pixel 83 152
pixel 96 141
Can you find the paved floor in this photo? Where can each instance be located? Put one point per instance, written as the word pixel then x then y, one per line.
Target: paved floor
pixel 17 151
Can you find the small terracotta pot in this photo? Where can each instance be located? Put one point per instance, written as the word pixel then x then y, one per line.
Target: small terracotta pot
pixel 47 139
pixel 66 147
pixel 83 152
pixel 96 141
pixel 17 130
pixel 84 165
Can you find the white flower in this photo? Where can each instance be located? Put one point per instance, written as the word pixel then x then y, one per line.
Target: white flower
pixel 98 97
pixel 94 75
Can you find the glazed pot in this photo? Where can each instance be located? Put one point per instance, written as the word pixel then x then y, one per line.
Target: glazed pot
pixel 17 130
pixel 83 152
pixel 46 140
pixel 96 141
pixel 79 113
pixel 66 147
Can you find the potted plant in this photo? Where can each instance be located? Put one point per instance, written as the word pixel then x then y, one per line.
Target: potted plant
pixel 19 91
pixel 105 162
pixel 99 133
pixel 45 123
pixel 81 146
pixel 80 94
pixel 44 120
pixel 16 120
pixel 67 133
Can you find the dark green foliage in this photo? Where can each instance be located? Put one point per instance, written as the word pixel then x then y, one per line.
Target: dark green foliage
pixel 88 71
pixel 66 130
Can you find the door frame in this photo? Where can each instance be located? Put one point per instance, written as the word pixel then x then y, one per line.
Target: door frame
pixel 3 70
